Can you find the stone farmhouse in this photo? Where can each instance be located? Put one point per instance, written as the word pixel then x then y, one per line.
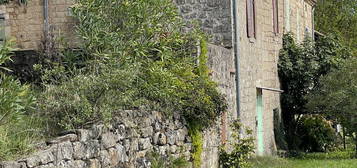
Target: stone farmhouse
pixel 247 37
pixel 243 52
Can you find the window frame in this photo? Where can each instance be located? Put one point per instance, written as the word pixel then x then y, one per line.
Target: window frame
pixel 275 4
pixel 251 19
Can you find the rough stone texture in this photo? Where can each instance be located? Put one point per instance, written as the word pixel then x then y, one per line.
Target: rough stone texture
pixel 129 140
pixel 25 23
pixel 221 63
pixel 214 17
pixel 259 58
pixel 125 143
pixel 298 17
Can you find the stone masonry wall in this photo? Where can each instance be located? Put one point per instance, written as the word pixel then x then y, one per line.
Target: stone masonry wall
pixel 126 143
pixel 258 68
pixel 221 63
pixel 214 17
pixel 298 18
pixel 259 58
pixel 25 23
pixel 134 134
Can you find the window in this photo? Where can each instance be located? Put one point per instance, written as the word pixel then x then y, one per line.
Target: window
pixel 275 17
pixel 251 19
pixel 2 28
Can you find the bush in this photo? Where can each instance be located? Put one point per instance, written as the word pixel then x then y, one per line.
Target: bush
pixel 158 161
pixel 316 134
pixel 140 58
pixel 88 98
pixel 242 148
pixel 18 129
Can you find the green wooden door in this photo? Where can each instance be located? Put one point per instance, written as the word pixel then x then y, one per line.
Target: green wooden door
pixel 259 125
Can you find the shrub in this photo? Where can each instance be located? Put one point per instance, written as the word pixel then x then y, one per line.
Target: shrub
pixel 241 148
pixel 18 129
pixel 140 58
pixel 88 98
pixel 316 134
pixel 158 161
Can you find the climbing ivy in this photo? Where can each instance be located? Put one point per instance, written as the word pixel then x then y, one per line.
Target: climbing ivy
pixel 195 132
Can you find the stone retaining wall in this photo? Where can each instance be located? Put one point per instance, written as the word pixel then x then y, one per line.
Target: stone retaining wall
pixel 127 143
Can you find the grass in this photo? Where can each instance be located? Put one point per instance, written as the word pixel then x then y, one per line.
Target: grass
pixel 311 160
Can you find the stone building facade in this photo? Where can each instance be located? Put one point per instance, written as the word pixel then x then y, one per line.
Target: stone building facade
pixel 243 54
pixel 250 33
pixel 26 24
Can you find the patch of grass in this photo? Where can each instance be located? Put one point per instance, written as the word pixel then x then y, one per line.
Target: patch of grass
pixel 312 160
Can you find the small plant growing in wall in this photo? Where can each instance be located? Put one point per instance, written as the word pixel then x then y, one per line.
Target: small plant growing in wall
pixel 242 148
pixel 158 161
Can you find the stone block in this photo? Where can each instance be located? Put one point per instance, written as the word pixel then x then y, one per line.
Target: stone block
pixel 93 163
pixel 86 150
pixel 160 139
pixel 108 140
pixel 69 137
pixel 144 143
pixel 122 153
pixel 147 131
pixel 13 164
pixel 63 151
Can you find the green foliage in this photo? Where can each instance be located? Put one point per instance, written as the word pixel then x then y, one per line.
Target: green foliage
pixel 195 132
pixel 316 134
pixel 337 97
pixel 15 100
pixel 58 62
pixel 338 17
pixel 5 55
pixel 139 58
pixel 242 148
pixel 17 138
pixel 310 160
pixel 300 67
pixel 18 129
pixel 158 161
pixel 90 98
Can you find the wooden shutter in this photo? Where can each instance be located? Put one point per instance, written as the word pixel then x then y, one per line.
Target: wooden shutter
pixel 251 18
pixel 275 16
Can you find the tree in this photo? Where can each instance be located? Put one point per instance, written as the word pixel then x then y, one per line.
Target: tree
pixel 338 17
pixel 337 97
pixel 300 68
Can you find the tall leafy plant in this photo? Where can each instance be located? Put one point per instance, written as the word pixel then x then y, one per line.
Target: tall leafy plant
pixel 139 58
pixel 337 97
pixel 300 67
pixel 338 17
pixel 17 128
